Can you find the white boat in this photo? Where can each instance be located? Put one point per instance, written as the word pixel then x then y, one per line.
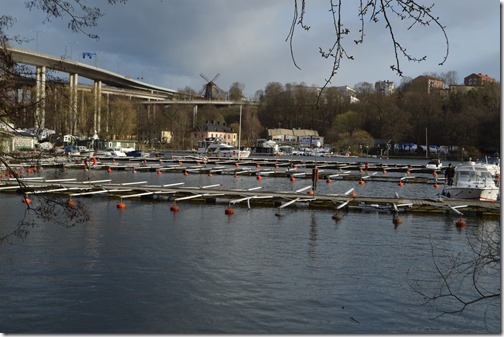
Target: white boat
pixel 492 163
pixel 216 147
pixel 434 164
pixel 472 181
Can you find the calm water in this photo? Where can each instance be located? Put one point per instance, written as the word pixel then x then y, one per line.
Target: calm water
pixel 146 269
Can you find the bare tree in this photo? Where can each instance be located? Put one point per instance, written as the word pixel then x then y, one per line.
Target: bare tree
pixel 373 11
pixel 464 279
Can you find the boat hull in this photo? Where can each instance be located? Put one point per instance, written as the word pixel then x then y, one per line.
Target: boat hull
pixel 485 194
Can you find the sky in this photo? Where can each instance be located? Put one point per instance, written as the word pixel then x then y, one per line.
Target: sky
pixel 169 43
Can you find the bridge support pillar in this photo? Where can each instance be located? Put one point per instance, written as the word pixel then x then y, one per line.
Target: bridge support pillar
pixel 40 96
pixel 74 80
pixel 195 116
pixel 97 105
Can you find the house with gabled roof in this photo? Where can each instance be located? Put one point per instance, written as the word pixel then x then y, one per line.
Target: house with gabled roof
pixel 477 80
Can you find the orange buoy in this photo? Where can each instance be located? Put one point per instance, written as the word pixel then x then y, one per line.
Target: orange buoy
pixel 353 194
pixel 384 171
pixel 361 182
pixel 29 170
pixel 229 211
pixel 121 205
pixel 361 170
pixel 174 208
pixel 109 170
pixel 397 221
pixel 408 172
pixel 460 223
pixel 180 163
pixel 186 173
pixel 434 174
pixel 71 203
pixel 328 180
pixel 400 183
pixel 27 201
pixel 259 178
pixel 236 165
pixel 258 166
pixel 435 185
pixel 310 192
pixel 292 179
pixel 158 172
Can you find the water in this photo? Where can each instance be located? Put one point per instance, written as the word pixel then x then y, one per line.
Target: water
pixel 146 269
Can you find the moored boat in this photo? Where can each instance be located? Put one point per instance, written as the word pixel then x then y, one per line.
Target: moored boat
pixel 216 147
pixel 472 181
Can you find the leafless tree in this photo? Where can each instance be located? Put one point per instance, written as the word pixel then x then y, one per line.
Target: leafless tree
pixel 464 279
pixel 372 11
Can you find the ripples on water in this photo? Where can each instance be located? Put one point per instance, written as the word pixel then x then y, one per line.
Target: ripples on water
pixel 145 269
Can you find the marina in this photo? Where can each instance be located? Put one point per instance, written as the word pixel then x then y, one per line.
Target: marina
pixel 310 173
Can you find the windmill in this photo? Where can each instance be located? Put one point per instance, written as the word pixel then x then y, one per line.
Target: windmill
pixel 211 90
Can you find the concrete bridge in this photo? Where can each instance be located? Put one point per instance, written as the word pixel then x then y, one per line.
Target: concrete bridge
pixel 115 84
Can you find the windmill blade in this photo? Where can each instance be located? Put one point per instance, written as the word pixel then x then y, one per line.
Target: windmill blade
pixel 215 78
pixel 205 78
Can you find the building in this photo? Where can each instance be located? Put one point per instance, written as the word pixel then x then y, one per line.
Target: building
pixel 385 87
pixel 348 93
pixel 214 129
pixel 299 137
pixel 428 84
pixel 477 80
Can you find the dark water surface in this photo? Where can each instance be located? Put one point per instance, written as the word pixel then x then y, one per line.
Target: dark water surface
pixel 146 269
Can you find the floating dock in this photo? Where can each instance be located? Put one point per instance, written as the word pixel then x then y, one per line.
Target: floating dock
pixel 254 197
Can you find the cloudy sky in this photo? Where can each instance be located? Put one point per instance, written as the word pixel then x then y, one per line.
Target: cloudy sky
pixel 169 43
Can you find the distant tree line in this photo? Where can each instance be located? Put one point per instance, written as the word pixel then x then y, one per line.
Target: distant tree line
pixel 468 119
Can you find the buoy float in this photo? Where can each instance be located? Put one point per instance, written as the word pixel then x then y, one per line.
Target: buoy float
pixel 236 165
pixel 258 166
pixel 229 211
pixel 400 183
pixel 397 221
pixel 186 173
pixel 29 170
pixel 361 170
pixel 460 223
pixel 292 179
pixel 174 208
pixel 121 205
pixel 328 180
pixel 384 171
pixel 180 163
pixel 408 172
pixel 353 194
pixel 434 174
pixel 361 182
pixel 310 192
pixel 27 201
pixel 71 203
pixel 109 170
pixel 435 185
pixel 158 172
pixel 259 178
